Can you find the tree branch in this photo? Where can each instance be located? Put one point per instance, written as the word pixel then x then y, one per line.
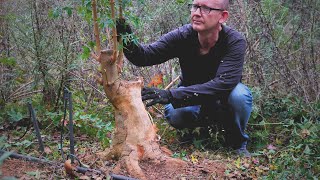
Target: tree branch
pixel 95 26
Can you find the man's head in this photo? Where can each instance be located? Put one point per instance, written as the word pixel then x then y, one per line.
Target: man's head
pixel 207 15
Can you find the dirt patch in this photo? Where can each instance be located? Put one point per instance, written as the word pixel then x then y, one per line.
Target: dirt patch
pixel 202 170
pixel 26 170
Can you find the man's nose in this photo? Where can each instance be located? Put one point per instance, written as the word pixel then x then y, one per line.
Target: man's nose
pixel 197 11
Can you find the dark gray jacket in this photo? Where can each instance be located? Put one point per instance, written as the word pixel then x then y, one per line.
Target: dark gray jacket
pixel 204 77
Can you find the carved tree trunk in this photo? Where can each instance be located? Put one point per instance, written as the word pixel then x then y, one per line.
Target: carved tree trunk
pixel 135 137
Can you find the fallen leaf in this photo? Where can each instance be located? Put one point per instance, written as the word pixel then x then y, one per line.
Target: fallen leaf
pixel 194 159
pixel 36 174
pixel 47 150
pixel 255 161
pixel 278 141
pixel 272 167
pixel 258 170
pixel 271 147
pixel 264 168
pixel 65 122
pixel 156 80
pixel 237 162
pixel 305 133
pixel 246 165
pixel 84 177
pixel 68 167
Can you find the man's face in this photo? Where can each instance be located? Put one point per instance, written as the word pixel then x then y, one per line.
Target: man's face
pixel 203 22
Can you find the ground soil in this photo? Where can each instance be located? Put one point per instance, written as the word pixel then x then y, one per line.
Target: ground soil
pixel 21 169
pixel 202 170
pixel 206 169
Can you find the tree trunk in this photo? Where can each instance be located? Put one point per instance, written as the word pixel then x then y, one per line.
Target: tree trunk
pixel 135 137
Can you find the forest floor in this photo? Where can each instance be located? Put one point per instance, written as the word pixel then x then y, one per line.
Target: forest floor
pixel 202 169
pixel 28 170
pixel 202 163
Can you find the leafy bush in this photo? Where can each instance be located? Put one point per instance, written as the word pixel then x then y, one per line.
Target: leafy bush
pixel 300 157
pixel 292 127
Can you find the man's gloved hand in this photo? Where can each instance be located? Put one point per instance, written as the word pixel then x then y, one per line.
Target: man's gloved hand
pixel 157 96
pixel 122 27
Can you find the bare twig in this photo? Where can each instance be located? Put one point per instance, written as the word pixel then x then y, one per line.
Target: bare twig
pixel 20 88
pixel 24 94
pixel 172 83
pixel 114 32
pixel 95 26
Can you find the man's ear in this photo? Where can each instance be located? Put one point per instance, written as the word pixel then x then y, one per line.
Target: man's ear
pixel 224 17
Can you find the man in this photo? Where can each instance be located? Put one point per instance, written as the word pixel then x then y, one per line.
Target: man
pixel 211 57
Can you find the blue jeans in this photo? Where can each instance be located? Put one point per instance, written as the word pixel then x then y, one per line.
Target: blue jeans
pixel 233 114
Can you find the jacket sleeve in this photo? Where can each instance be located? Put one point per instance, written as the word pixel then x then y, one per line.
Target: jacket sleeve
pixel 227 77
pixel 155 53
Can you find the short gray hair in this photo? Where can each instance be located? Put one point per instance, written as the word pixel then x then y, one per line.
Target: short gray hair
pixel 225 4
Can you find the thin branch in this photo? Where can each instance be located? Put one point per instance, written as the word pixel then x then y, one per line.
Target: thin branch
pixel 120 56
pixel 96 28
pixel 80 78
pixel 172 83
pixel 114 32
pixel 120 10
pixel 23 94
pixel 20 88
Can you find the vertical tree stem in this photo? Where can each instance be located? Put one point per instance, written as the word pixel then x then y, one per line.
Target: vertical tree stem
pixel 114 32
pixel 97 37
pixel 95 26
pixel 120 57
pixel 120 9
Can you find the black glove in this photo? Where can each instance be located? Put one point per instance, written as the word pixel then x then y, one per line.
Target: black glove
pixel 157 96
pixel 122 27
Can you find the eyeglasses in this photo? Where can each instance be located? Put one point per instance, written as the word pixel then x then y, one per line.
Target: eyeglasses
pixel 203 9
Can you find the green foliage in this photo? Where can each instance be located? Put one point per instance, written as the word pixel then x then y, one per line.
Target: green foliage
pixel 94 125
pixel 35 174
pixel 97 121
pixel 24 143
pixel 4 157
pixel 4 143
pixel 11 62
pixel 54 117
pixel 290 125
pixel 85 10
pixel 85 52
pixel 182 155
pixel 300 157
pixel 12 113
pixel 14 116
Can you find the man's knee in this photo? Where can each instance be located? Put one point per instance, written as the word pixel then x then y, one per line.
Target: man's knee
pixel 240 95
pixel 182 117
pixel 174 122
pixel 173 116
